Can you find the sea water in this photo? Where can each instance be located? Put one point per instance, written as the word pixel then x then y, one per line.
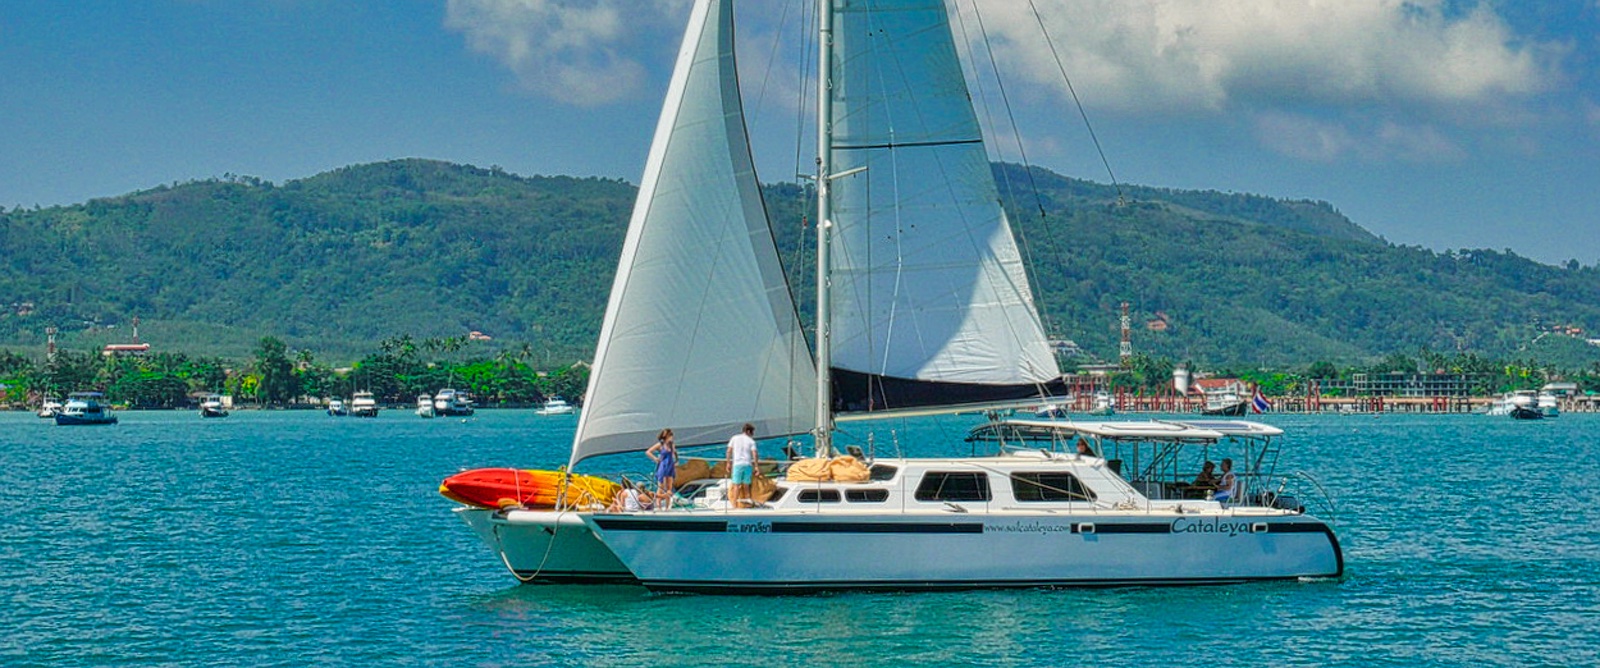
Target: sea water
pixel 274 538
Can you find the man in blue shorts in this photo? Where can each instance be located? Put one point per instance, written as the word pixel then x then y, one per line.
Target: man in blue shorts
pixel 742 456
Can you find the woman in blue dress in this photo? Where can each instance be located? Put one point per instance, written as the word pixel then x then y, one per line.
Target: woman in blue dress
pixel 665 455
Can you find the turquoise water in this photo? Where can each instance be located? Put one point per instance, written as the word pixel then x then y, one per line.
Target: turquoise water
pixel 274 538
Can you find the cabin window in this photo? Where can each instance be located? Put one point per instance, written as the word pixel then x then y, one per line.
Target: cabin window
pixel 777 494
pixel 866 495
pixel 881 472
pixel 692 491
pixel 953 486
pixel 1049 486
pixel 819 496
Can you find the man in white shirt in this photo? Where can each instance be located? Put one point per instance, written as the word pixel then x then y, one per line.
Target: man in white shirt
pixel 742 456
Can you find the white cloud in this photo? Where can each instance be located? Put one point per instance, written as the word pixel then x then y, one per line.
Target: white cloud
pixel 1168 56
pixel 575 51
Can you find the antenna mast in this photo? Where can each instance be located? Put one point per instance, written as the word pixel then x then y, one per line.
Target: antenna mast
pixel 1126 351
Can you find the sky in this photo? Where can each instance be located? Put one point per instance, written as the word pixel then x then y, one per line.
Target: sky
pixel 1446 124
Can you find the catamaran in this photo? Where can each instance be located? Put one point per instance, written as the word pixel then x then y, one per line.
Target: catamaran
pixel 923 307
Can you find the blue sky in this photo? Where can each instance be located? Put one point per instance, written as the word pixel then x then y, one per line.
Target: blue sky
pixel 1440 123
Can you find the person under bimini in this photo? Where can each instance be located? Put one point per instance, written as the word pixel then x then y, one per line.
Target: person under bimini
pixel 742 456
pixel 665 454
pixel 1228 484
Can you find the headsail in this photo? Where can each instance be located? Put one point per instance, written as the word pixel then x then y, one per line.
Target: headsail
pixel 931 304
pixel 701 332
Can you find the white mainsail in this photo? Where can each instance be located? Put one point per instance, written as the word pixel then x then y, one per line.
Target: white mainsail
pixel 930 302
pixel 701 332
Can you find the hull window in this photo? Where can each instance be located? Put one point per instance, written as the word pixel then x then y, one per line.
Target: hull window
pixel 818 496
pixel 1049 486
pixel 866 495
pixel 953 486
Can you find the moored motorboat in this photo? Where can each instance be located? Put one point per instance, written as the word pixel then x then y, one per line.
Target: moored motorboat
pixel 85 408
pixel 49 408
pixel 1523 405
pixel 450 402
pixel 555 406
pixel 336 408
pixel 362 404
pixel 424 406
pixel 211 407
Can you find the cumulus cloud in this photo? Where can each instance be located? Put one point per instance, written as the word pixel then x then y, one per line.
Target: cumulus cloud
pixel 575 51
pixel 1172 55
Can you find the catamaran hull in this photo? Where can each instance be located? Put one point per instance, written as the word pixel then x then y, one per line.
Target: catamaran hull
pixel 546 546
pixel 751 553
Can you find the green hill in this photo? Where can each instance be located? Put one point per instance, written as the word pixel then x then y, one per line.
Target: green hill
pixel 336 262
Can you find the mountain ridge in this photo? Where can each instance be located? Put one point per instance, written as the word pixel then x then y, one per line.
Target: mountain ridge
pixel 337 261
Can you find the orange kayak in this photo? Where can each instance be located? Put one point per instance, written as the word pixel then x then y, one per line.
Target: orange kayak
pixel 501 488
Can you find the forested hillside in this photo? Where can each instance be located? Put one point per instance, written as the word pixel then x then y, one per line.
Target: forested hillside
pixel 339 261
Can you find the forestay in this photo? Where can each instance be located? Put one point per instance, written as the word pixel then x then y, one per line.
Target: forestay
pixel 701 332
pixel 931 304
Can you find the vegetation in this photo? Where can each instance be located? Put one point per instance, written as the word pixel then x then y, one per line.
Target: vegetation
pixel 279 377
pixel 372 276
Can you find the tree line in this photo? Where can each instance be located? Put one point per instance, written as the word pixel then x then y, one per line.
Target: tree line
pixel 402 368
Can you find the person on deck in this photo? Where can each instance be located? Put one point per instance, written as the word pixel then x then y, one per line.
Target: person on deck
pixel 665 454
pixel 1228 485
pixel 742 456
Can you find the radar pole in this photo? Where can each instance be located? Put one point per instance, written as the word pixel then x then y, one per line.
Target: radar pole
pixel 1126 352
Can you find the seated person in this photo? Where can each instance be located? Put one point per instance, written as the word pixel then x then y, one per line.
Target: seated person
pixel 1228 485
pixel 631 499
pixel 1205 482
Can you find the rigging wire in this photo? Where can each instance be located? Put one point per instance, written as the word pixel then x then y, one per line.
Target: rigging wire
pixel 1074 91
pixel 1030 265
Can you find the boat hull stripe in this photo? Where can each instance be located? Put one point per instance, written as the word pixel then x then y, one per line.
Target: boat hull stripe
pixel 629 524
pixel 876 527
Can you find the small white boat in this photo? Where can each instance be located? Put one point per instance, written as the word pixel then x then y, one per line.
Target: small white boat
pixel 85 408
pixel 211 407
pixel 363 405
pixel 424 406
pixel 449 402
pixel 1548 405
pixel 1103 405
pixel 1523 405
pixel 50 408
pixel 337 408
pixel 555 406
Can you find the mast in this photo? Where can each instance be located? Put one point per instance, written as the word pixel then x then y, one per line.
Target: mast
pixel 824 428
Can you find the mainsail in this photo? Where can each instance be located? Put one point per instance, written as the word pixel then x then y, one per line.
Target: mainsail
pixel 930 301
pixel 701 332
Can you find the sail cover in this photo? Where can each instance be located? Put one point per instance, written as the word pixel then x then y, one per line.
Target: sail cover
pixel 701 333
pixel 931 304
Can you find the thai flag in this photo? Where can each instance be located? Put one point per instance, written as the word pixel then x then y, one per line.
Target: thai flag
pixel 1260 403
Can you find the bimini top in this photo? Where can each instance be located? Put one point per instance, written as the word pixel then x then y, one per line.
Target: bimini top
pixel 1153 430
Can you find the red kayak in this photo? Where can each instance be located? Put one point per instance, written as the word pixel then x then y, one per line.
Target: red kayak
pixel 501 488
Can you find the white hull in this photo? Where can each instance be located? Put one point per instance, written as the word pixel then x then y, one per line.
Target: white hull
pixel 546 546
pixel 755 551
